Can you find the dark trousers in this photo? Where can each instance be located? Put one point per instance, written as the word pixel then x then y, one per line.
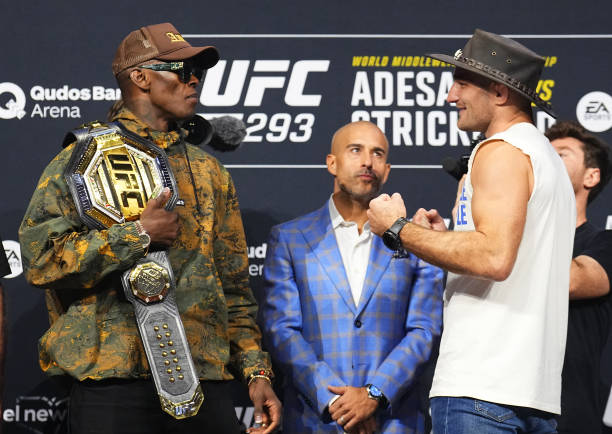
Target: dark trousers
pixel 132 407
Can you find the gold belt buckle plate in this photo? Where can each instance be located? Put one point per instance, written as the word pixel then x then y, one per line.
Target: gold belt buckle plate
pixel 115 175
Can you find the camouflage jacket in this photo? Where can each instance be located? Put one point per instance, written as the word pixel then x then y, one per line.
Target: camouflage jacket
pixel 93 332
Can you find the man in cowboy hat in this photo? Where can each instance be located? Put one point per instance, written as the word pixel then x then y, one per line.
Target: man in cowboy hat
pixel 208 334
pixel 505 302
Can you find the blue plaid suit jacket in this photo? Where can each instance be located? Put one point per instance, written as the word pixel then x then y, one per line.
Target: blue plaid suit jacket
pixel 319 337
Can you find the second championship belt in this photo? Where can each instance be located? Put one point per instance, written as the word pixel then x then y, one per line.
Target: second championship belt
pixel 112 174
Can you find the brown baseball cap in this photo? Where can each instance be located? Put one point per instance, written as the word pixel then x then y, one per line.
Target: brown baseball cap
pixel 163 42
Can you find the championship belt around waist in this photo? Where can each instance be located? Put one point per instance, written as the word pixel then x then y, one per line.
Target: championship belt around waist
pixel 112 174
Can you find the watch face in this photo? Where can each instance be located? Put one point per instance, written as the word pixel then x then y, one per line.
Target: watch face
pixel 390 239
pixel 145 240
pixel 375 391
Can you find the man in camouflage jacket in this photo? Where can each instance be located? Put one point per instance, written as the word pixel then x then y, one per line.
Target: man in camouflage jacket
pixel 93 333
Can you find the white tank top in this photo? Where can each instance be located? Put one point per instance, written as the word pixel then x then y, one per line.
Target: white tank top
pixel 504 342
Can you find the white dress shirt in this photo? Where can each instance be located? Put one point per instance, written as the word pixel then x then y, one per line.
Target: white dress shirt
pixel 354 249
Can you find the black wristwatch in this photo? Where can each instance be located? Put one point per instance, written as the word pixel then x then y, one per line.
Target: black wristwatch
pixel 391 237
pixel 375 394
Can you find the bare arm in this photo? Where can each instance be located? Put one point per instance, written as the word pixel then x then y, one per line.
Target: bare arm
pixel 502 180
pixel 588 279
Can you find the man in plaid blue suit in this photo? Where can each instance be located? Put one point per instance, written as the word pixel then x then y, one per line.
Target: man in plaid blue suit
pixel 350 324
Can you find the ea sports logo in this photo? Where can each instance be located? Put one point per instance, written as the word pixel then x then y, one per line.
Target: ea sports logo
pixel 594 111
pixel 12 251
pixel 15 105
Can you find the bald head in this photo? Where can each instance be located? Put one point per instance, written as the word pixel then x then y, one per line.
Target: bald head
pixel 356 132
pixel 358 161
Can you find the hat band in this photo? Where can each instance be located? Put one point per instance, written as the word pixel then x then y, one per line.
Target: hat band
pixel 511 81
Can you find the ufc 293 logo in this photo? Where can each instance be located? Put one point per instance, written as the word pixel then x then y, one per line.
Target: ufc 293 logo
pixel 242 84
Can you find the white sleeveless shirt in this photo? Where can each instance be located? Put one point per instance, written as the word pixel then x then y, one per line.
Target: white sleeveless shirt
pixel 504 342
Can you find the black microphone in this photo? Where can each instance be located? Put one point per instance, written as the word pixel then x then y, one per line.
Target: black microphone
pixel 456 167
pixel 223 134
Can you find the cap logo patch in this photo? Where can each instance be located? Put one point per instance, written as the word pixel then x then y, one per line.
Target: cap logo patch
pixel 146 43
pixel 174 37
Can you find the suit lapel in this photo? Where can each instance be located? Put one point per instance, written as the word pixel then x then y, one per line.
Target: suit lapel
pixel 380 257
pixel 322 240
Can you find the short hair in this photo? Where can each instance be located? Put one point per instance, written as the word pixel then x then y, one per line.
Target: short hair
pixel 596 151
pixel 521 102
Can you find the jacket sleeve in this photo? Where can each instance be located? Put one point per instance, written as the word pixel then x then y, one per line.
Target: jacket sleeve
pixel 58 250
pixel 282 318
pixel 231 262
pixel 398 372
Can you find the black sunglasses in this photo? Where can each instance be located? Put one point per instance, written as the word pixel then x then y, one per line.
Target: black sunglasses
pixel 183 69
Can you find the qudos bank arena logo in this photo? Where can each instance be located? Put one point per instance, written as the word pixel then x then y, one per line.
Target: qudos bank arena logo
pixel 14 108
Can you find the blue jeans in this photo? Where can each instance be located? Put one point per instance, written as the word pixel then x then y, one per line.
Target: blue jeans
pixel 471 416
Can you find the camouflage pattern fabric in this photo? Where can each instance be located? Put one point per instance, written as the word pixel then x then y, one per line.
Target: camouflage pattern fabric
pixel 93 332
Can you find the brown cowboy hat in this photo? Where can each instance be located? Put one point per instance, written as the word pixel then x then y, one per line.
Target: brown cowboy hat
pixel 502 60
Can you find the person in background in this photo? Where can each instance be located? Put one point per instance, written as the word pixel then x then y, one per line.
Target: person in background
pixel 5 270
pixel 583 396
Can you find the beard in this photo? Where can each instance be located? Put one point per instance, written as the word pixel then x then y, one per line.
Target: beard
pixel 375 187
pixel 470 124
